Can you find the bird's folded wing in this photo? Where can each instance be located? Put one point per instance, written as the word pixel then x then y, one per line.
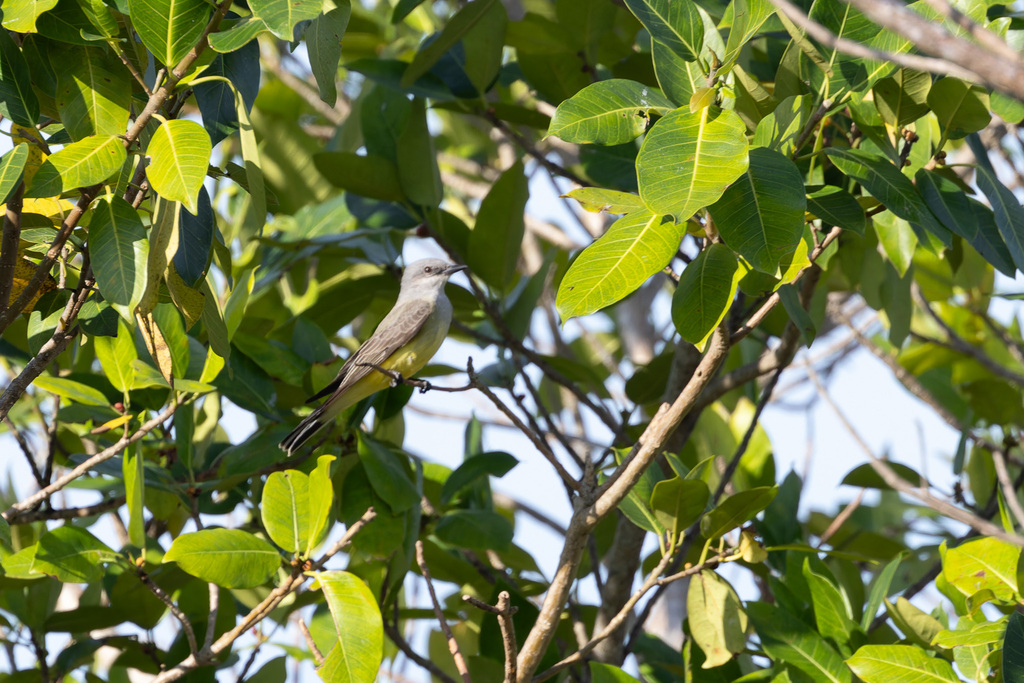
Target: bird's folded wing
pixel 394 332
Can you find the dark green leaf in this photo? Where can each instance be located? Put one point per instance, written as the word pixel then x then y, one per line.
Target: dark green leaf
pixel 705 293
pixel 370 176
pixel 835 206
pixel 787 639
pixel 323 42
pixel 678 503
pixel 1008 212
pixel 454 30
pixel 677 25
pixel 736 510
pixel 496 239
pixel 961 108
pixel 119 251
pixel 17 100
pixel 903 97
pixel 72 554
pixel 476 529
pixel 216 99
pixel 495 464
pixel 94 92
pixel 1013 648
pixel 388 475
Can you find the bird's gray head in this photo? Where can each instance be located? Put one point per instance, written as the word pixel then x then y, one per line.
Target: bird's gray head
pixel 428 272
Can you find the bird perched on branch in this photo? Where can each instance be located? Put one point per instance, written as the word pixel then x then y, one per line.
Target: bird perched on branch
pixel 402 344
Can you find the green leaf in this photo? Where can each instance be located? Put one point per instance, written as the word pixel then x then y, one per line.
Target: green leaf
pixel 195 239
pixel 495 464
pixel 134 472
pixel 688 160
pixel 704 293
pixel 747 18
pixel 237 36
pixel 597 199
pixel 736 510
pixel 497 236
pixel 903 97
pixel 606 673
pixel 634 248
pixel 835 206
pixel 788 639
pixel 678 503
pixel 180 154
pixel 227 557
pixel 984 563
pixel 119 250
pixel 388 475
pixel 831 611
pixel 879 591
pixel 960 107
pixel 781 129
pixel 886 663
pixel 5 533
pixel 898 240
pixel 865 476
pixel 716 618
pixel 12 167
pixel 475 529
pixel 674 23
pixel 169 28
pixel 323 43
pixel 418 173
pixel 917 625
pixel 72 554
pixel 965 217
pixel 454 30
pixel 1008 212
pixel 368 176
pixel 678 78
pixel 285 509
pixel 359 650
pixel 321 497
pixel 608 112
pixel 20 15
pixel 116 355
pixel 87 162
pixel 71 390
pixel 483 48
pixel 1013 648
pixel 790 297
pixel 886 184
pixel 761 215
pixel 218 100
pixel 94 92
pixel 18 102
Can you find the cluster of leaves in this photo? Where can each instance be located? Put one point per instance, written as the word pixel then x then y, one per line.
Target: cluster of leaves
pixel 161 279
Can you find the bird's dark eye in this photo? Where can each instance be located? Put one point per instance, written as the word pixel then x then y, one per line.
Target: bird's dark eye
pixel 427 269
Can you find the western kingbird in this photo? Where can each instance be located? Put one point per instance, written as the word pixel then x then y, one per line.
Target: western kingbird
pixel 405 340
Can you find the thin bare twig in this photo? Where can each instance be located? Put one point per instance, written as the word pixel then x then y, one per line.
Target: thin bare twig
pixel 453 646
pixel 318 657
pixel 504 611
pixel 1009 490
pixel 841 518
pixel 186 625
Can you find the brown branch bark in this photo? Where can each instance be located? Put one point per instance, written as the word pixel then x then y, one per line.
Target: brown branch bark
pixel 9 244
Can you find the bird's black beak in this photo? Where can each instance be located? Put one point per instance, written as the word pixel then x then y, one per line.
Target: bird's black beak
pixel 451 270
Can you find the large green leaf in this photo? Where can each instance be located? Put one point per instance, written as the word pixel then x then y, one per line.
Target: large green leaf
pixel 18 102
pixel 704 293
pixel 120 252
pixel 418 173
pixel 116 355
pixel 71 390
pixel 606 673
pixel 675 23
pixel 596 199
pixel 321 497
pixel 689 159
pixel 831 611
pixel 180 154
pixel 780 129
pixel 480 466
pixel 678 78
pixel 231 558
pixel 677 503
pixel 636 246
pixel 1013 648
pixel 761 215
pixel 358 627
pixel 497 236
pixel 747 17
pixel 169 28
pixel 716 618
pixel 984 563
pixel 737 509
pixel 323 43
pixel 835 206
pixel 388 475
pixel 897 238
pixel 94 93
pixel 454 30
pixel 887 663
pixel 284 509
pixel 89 161
pixel 72 554
pixel 608 112
pixel 960 107
pixel 369 176
pixel 12 167
pixel 886 184
pixel 475 529
pixel 20 15
pixel 965 217
pixel 788 639
pixel 903 97
pixel 240 34
pixel 1009 213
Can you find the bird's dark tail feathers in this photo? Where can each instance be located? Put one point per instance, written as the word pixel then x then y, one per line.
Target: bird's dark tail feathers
pixel 303 433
